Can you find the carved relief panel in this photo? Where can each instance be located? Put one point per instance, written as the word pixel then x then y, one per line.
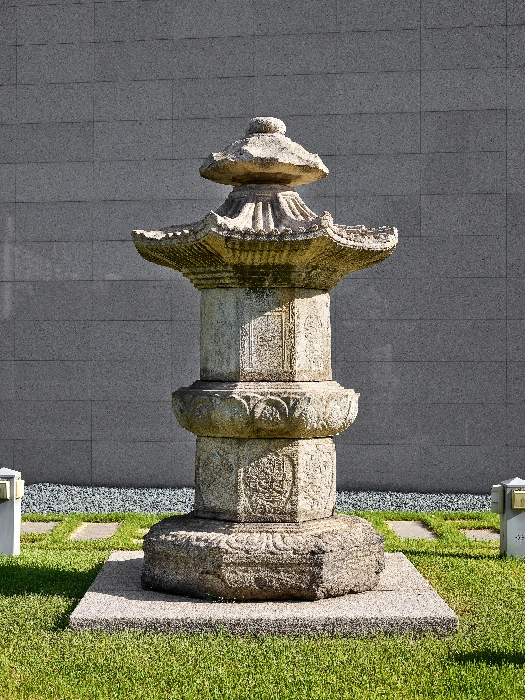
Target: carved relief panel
pixel 317 477
pixel 267 337
pixel 313 336
pixel 265 334
pixel 215 477
pixel 264 480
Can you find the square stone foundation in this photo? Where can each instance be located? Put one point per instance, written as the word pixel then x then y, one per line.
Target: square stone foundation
pixel 403 602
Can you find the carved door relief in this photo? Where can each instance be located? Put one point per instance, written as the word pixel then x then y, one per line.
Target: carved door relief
pixel 267 335
pixel 267 483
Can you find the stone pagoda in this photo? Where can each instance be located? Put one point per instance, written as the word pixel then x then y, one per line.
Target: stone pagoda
pixel 265 409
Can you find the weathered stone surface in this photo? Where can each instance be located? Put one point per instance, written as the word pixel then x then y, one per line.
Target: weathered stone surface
pixel 265 409
pixel 268 480
pixel 264 235
pixel 411 529
pixel 267 208
pixel 217 253
pixel 265 458
pixel 401 603
pixel 264 155
pixel 37 528
pixel 265 334
pixel 94 531
pixel 243 561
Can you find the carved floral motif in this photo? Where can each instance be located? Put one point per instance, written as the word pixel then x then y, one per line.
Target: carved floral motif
pixel 258 538
pixel 262 561
pixel 264 480
pixel 257 409
pixel 267 484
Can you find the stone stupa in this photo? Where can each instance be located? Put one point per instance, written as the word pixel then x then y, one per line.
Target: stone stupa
pixel 265 409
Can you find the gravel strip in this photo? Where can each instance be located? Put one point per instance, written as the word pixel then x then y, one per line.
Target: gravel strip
pixel 422 502
pixel 59 498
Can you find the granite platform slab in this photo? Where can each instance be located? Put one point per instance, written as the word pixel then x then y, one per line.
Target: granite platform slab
pixel 94 531
pixel 411 529
pixel 403 602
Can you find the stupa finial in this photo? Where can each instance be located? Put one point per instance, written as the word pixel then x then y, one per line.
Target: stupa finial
pixel 266 125
pixel 264 155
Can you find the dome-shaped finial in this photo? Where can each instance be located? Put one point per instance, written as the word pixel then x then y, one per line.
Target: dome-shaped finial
pixel 265 155
pixel 266 125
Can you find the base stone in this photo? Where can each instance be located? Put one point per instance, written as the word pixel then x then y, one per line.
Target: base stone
pixel 402 603
pixel 262 561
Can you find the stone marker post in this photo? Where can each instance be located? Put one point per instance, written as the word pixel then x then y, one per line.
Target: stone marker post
pixel 508 499
pixel 11 494
pixel 265 409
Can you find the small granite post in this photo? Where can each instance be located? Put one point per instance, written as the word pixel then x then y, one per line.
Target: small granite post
pixel 265 409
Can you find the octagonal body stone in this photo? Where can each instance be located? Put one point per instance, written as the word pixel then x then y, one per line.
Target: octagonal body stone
pixel 273 561
pixel 265 334
pixel 264 480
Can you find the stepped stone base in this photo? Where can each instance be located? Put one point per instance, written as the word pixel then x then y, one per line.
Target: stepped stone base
pixel 226 560
pixel 403 602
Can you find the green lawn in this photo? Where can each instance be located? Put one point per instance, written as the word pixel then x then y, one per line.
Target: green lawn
pixel 40 659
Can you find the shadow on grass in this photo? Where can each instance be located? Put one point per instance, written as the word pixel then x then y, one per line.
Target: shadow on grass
pixel 490 658
pixel 455 555
pixel 23 578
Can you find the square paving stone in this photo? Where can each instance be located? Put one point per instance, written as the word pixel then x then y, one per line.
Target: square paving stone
pixel 37 528
pixel 403 602
pixel 484 535
pixel 411 529
pixel 95 531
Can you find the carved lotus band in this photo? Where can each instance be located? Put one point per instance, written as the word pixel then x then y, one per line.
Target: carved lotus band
pixel 265 409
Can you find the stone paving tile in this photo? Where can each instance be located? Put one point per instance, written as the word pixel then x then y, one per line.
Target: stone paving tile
pixel 95 531
pixel 485 535
pixel 411 529
pixel 36 528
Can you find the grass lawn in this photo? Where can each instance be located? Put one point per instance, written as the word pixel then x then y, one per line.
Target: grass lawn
pixel 40 658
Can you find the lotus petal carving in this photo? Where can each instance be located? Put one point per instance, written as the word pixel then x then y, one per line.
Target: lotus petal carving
pixel 265 409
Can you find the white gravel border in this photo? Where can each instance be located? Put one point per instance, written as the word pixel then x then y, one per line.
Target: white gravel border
pixel 61 498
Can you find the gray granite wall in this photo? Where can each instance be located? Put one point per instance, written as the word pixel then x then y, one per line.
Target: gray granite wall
pixel 108 108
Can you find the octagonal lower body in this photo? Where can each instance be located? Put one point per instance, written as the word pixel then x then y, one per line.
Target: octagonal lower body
pixel 264 480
